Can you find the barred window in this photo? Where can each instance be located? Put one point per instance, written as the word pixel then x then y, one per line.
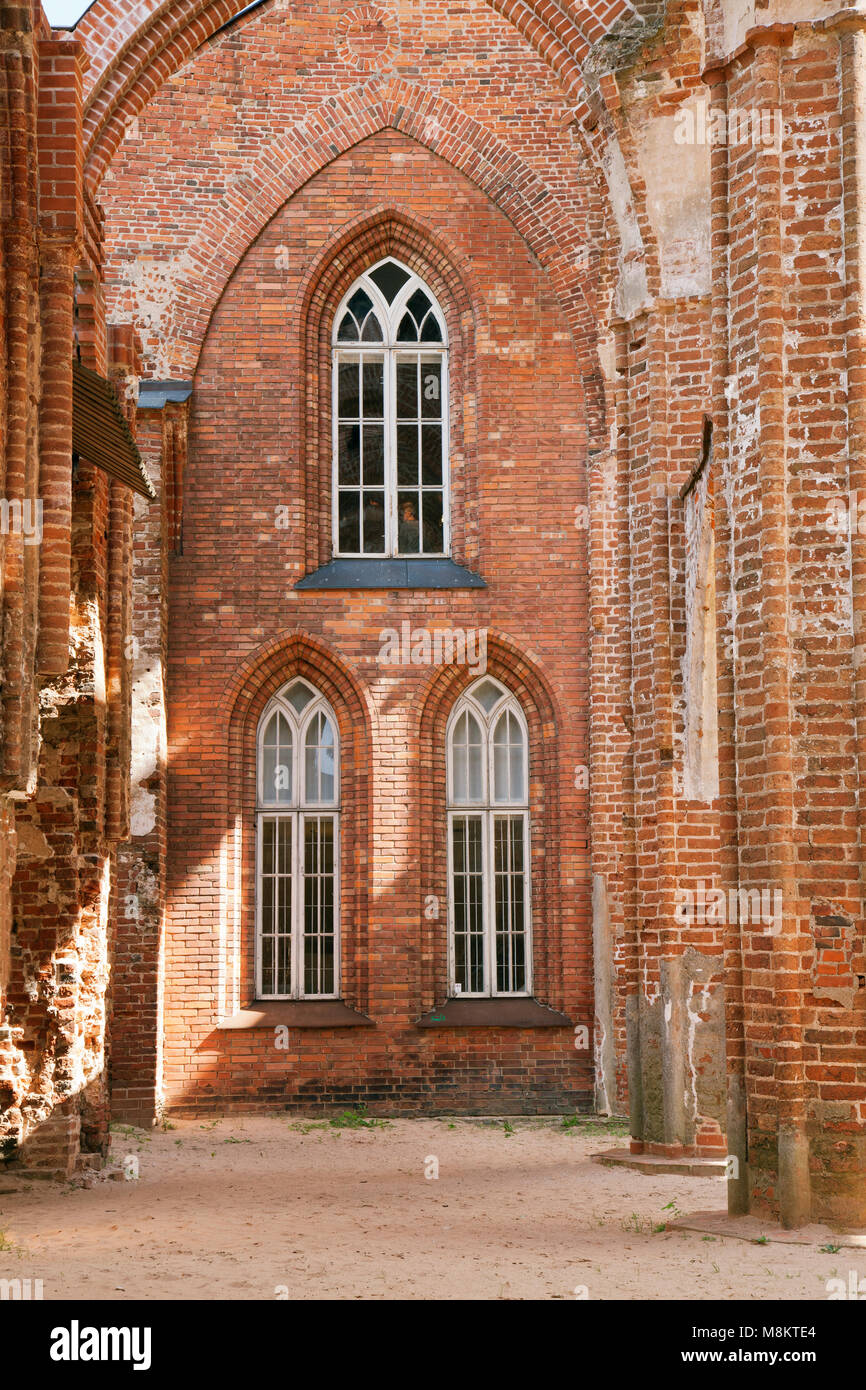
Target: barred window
pixel 298 831
pixel 488 844
pixel 390 372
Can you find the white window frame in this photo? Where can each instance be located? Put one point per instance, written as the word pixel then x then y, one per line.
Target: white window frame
pixel 298 810
pixel 390 351
pixel 488 811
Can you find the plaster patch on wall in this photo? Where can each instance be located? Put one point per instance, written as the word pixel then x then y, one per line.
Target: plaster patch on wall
pixel 146 298
pixel 681 224
pixel 605 1051
pixel 700 731
pixel 632 295
pixel 146 744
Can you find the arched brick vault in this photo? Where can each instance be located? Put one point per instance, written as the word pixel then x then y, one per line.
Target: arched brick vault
pixel 134 49
pixel 332 129
pixel 293 653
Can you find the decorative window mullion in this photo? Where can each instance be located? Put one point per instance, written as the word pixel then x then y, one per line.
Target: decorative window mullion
pixel 297 901
pixel 488 908
pixel 391 452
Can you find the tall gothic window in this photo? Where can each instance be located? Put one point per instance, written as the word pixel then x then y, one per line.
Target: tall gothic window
pixel 298 798
pixel 488 843
pixel 390 489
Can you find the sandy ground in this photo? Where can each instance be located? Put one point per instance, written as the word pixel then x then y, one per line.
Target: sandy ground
pixel 260 1208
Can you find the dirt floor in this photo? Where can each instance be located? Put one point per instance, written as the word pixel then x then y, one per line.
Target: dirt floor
pixel 264 1208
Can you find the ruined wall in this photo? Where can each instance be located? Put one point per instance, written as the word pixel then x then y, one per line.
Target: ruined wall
pixel 679 192
pixel 788 345
pixel 137 983
pixel 66 611
pixel 655 833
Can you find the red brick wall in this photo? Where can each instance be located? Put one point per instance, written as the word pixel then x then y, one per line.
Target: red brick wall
pixel 65 716
pixel 232 602
pixel 788 684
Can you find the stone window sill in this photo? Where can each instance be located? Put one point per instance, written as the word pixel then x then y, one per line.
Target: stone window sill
pixel 493 1013
pixel 296 1013
pixel 391 574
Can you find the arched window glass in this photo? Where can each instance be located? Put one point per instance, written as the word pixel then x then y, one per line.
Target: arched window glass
pixel 298 833
pixel 488 843
pixel 390 487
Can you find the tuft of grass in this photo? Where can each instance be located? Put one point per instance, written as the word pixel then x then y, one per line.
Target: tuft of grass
pixel 357 1119
pixel 141 1136
pixel 508 1127
pixel 637 1225
pixel 592 1125
pixel 761 1240
pixel 304 1126
pixel 8 1247
pixel 830 1249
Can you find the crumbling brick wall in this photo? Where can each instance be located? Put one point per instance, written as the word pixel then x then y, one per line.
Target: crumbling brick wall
pixel 630 262
pixel 65 738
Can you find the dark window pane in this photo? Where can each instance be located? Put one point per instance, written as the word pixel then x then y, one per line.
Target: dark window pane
pixel 408 330
pixel 468 900
pixel 374 390
pixel 431 390
pixel 433 524
pixel 390 279
pixel 350 527
pixel 374 523
pixel 349 454
pixel 407 454
pixel 268 847
pixel 372 330
pixel 360 305
pixel 348 330
pixel 509 904
pixel 407 390
pixel 268 965
pixel 327 839
pixel 459 843
pixel 430 330
pixel 431 455
pixel 408 529
pixel 374 456
pixel 311 848
pixel 327 948
pixel 284 956
pixel 348 403
pixel 417 305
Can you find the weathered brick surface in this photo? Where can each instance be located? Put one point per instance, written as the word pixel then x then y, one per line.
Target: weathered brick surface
pixel 233 604
pixel 66 587
pixel 607 285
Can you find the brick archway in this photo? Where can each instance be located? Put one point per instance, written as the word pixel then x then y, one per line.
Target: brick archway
pixel 133 54
pixel 331 130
